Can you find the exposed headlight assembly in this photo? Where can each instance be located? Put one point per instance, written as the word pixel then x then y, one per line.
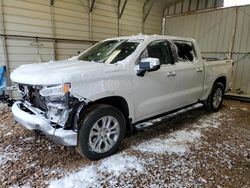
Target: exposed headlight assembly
pixel 55 90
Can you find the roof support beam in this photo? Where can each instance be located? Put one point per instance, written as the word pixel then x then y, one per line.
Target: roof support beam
pixel 171 4
pixel 197 5
pixel 164 10
pixel 118 18
pixel 120 11
pixel 189 5
pixel 51 2
pixel 53 27
pixel 47 38
pixel 215 3
pixel 206 4
pixel 182 7
pixel 92 3
pixel 174 8
pixel 91 8
pixel 146 13
pixel 234 32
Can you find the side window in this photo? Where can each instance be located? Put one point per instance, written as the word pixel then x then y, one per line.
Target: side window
pixel 185 51
pixel 160 50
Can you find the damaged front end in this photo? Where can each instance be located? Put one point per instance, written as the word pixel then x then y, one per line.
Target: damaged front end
pixel 50 109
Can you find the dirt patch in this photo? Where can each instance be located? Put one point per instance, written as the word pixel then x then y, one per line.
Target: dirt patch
pixel 194 149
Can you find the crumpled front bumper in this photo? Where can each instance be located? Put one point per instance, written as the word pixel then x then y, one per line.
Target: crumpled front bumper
pixel 32 119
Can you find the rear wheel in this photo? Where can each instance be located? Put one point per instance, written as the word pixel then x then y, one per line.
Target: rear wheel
pixel 215 99
pixel 101 132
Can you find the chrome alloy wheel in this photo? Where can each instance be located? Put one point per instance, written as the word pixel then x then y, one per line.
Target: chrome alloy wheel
pixel 217 98
pixel 104 134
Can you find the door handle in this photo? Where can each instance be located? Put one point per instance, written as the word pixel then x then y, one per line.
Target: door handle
pixel 171 74
pixel 199 70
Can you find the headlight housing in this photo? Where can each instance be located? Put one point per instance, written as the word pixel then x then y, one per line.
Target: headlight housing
pixel 55 90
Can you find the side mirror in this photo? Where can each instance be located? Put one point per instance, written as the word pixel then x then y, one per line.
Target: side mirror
pixel 148 64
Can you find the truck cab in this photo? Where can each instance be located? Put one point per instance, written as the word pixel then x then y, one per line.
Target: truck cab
pixel 90 101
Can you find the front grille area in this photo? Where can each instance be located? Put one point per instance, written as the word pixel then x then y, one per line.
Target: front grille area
pixel 37 100
pixel 31 94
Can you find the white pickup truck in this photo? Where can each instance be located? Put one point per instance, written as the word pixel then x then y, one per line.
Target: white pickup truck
pixel 119 84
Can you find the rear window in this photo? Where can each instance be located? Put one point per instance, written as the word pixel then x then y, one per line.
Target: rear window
pixel 185 51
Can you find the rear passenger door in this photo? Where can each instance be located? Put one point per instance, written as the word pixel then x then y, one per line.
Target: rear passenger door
pixel 189 73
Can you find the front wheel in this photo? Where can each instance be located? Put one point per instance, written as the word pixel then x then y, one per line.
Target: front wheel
pixel 215 99
pixel 102 130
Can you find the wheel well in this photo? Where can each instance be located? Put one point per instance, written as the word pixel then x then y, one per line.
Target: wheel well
pixel 118 102
pixel 222 80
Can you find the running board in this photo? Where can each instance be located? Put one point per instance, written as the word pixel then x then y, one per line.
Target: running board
pixel 166 117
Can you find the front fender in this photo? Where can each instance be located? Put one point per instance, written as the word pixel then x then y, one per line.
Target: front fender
pixel 94 91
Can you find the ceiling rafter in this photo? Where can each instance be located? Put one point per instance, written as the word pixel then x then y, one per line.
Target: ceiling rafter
pixel 92 4
pixel 149 3
pixel 120 11
pixel 51 2
pixel 171 4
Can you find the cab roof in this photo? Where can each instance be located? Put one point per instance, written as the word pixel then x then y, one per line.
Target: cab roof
pixel 150 37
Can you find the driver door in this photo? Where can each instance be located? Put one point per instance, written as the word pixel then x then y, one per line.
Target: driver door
pixel 154 93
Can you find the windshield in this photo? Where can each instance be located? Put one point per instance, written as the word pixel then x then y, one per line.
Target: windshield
pixel 110 51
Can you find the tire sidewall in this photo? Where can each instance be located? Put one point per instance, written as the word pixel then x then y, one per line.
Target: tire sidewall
pixel 215 87
pixel 86 125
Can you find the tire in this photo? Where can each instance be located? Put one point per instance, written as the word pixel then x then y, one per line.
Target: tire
pixel 215 99
pixel 102 129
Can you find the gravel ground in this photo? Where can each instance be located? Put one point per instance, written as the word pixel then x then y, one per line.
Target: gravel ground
pixel 195 149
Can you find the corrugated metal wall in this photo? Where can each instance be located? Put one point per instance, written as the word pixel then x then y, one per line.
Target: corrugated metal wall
pixel 70 23
pixel 105 22
pixel 153 22
pixel 68 20
pixel 242 51
pixel 131 21
pixel 192 5
pixel 24 18
pixel 71 19
pixel 214 30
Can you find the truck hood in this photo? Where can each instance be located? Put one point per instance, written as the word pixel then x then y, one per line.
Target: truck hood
pixel 56 72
